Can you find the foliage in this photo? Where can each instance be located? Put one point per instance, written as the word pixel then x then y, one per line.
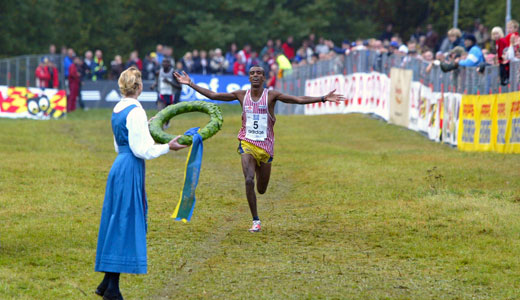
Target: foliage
pixel 353 210
pixel 120 26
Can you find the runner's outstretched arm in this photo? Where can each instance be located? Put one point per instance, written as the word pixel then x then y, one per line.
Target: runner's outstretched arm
pixel 306 100
pixel 185 79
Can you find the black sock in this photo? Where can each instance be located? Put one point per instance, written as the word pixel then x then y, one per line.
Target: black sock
pixel 256 218
pixel 104 284
pixel 113 285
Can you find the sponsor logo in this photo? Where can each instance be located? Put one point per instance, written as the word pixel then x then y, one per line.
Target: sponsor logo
pixel 468 110
pixel 501 110
pixel 485 110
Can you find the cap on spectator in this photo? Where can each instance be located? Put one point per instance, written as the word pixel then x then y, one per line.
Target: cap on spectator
pixel 470 37
pixel 345 41
pixel 44 59
pixel 153 55
pixel 403 49
pixel 457 50
pixel 394 44
pixel 365 43
pixel 353 44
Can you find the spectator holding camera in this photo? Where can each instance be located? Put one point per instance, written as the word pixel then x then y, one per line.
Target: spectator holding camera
pixel 475 57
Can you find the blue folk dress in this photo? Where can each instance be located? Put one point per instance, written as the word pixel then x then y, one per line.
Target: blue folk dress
pixel 121 244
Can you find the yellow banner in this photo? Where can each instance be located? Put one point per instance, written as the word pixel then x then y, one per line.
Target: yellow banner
pixel 490 123
pixel 513 125
pixel 467 123
pixel 502 113
pixel 476 123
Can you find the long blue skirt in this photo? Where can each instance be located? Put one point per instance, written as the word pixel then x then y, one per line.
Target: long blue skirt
pixel 121 244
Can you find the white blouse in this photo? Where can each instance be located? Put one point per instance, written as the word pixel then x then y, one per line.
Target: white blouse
pixel 139 138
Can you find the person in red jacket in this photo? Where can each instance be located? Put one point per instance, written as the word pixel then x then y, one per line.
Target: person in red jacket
pixel 288 48
pixel 74 84
pixel 54 78
pixel 42 74
pixel 239 68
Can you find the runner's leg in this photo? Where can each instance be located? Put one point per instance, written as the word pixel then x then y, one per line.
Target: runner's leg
pixel 248 167
pixel 263 173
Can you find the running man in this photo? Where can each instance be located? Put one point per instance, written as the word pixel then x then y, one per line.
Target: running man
pixel 167 85
pixel 256 137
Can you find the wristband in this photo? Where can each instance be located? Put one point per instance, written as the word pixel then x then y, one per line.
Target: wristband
pixel 323 99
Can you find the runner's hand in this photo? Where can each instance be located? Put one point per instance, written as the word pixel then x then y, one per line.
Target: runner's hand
pixel 174 145
pixel 334 97
pixel 182 79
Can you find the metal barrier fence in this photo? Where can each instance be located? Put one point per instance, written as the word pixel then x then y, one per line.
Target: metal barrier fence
pixel 20 70
pixel 462 80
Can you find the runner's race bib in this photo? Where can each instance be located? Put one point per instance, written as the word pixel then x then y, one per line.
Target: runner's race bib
pixel 256 127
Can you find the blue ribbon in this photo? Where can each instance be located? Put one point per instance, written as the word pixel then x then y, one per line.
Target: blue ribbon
pixel 184 209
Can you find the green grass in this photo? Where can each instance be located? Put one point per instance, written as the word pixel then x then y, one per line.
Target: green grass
pixel 356 209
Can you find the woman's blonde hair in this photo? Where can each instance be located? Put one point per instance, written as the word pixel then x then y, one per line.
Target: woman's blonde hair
pixel 498 30
pixel 514 23
pixel 129 81
pixel 455 32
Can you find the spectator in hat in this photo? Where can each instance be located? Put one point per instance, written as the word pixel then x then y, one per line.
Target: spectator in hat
pixel 475 57
pixel 403 49
pixel 394 46
pixel 150 66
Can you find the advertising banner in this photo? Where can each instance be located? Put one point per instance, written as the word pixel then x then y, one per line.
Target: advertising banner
pixel 414 106
pixel 400 81
pixel 215 83
pixel 425 95
pixel 32 103
pixel 451 118
pixel 365 93
pixel 513 128
pixel 502 121
pixel 475 123
pixel 105 93
pixel 434 120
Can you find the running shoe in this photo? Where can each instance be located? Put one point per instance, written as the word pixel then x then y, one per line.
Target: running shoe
pixel 257 226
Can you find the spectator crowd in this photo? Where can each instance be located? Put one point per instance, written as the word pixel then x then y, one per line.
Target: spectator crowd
pixel 477 47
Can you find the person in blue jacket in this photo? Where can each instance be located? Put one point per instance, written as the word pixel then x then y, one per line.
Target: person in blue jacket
pixel 475 56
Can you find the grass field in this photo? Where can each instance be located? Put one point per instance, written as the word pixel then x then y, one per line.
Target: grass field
pixel 356 209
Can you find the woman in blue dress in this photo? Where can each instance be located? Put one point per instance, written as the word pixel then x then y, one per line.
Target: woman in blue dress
pixel 121 244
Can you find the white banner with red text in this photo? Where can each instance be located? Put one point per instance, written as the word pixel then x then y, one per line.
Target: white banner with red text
pixel 434 114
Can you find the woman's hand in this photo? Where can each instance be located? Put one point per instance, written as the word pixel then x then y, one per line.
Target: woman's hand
pixel 174 145
pixel 182 79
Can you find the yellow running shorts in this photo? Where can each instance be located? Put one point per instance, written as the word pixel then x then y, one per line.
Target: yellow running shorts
pixel 260 155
